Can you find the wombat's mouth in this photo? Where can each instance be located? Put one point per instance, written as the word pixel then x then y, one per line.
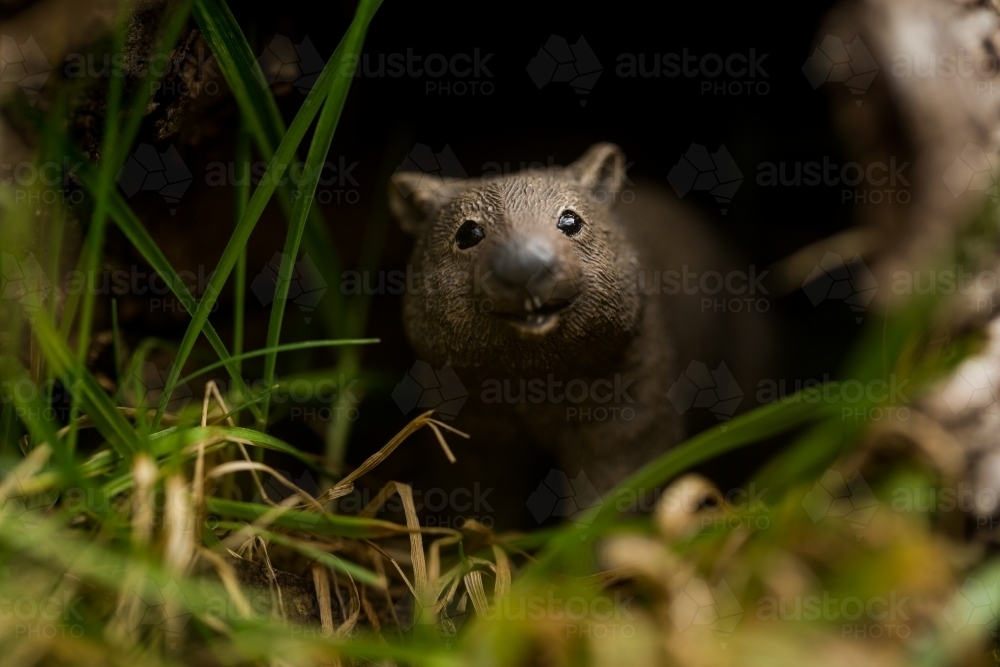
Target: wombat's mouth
pixel 536 320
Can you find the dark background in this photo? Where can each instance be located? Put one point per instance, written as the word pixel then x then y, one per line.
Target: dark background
pixel 654 120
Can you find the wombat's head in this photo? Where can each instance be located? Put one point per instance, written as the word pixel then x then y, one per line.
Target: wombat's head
pixel 528 270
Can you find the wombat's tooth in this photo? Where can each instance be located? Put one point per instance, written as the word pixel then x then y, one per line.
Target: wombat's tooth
pixel 527 305
pixel 538 302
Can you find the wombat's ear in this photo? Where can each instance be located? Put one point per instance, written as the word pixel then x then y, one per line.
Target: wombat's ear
pixel 415 198
pixel 601 169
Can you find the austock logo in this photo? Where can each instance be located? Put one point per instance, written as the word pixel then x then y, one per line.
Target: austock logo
pixel 559 496
pixel 881 182
pixel 731 74
pixel 972 394
pixel 699 387
pixel 699 603
pixel 876 617
pixel 24 65
pixel 38 616
pixel 149 170
pixel 874 400
pixel 700 171
pixel 423 387
pixel 277 490
pixel 974 604
pixel 559 62
pixel 836 62
pixel 27 283
pixel 603 399
pixel 974 170
pixel 444 164
pixel 306 288
pixel 48 400
pixel 187 71
pixel 600 616
pixel 437 507
pixel 446 622
pixel 22 502
pixel 24 282
pixel 837 280
pixel 284 62
pixel 833 496
pixel 950 63
pixel 149 606
pixel 334 179
pixel 544 285
pixel 457 74
pixel 974 388
pixel 729 292
pixel 423 160
pixel 47 182
pixel 144 384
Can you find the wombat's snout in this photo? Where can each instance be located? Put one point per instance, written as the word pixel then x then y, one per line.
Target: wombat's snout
pixel 529 283
pixel 518 263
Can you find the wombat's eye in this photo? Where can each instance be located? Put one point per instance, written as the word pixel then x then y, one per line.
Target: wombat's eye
pixel 469 234
pixel 569 223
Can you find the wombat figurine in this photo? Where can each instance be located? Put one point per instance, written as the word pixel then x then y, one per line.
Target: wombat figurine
pixel 556 298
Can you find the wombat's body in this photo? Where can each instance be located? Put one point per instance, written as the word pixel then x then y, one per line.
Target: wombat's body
pixel 548 293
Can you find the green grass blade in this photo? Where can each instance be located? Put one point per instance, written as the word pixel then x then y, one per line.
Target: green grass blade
pixel 35 416
pixel 83 386
pixel 359 573
pixel 240 206
pixel 105 179
pixel 339 429
pixel 137 235
pixel 115 144
pixel 241 71
pixel 330 525
pixel 256 103
pixel 275 170
pixel 318 150
pixel 170 443
pixel 91 256
pixel 116 340
pixel 289 347
pixel 754 426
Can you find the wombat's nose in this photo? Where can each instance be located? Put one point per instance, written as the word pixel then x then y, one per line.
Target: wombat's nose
pixel 517 262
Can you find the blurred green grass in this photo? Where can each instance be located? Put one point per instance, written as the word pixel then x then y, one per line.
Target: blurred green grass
pixel 139 532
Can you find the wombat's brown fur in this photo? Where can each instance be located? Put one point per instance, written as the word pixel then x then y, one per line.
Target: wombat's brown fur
pixel 558 287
